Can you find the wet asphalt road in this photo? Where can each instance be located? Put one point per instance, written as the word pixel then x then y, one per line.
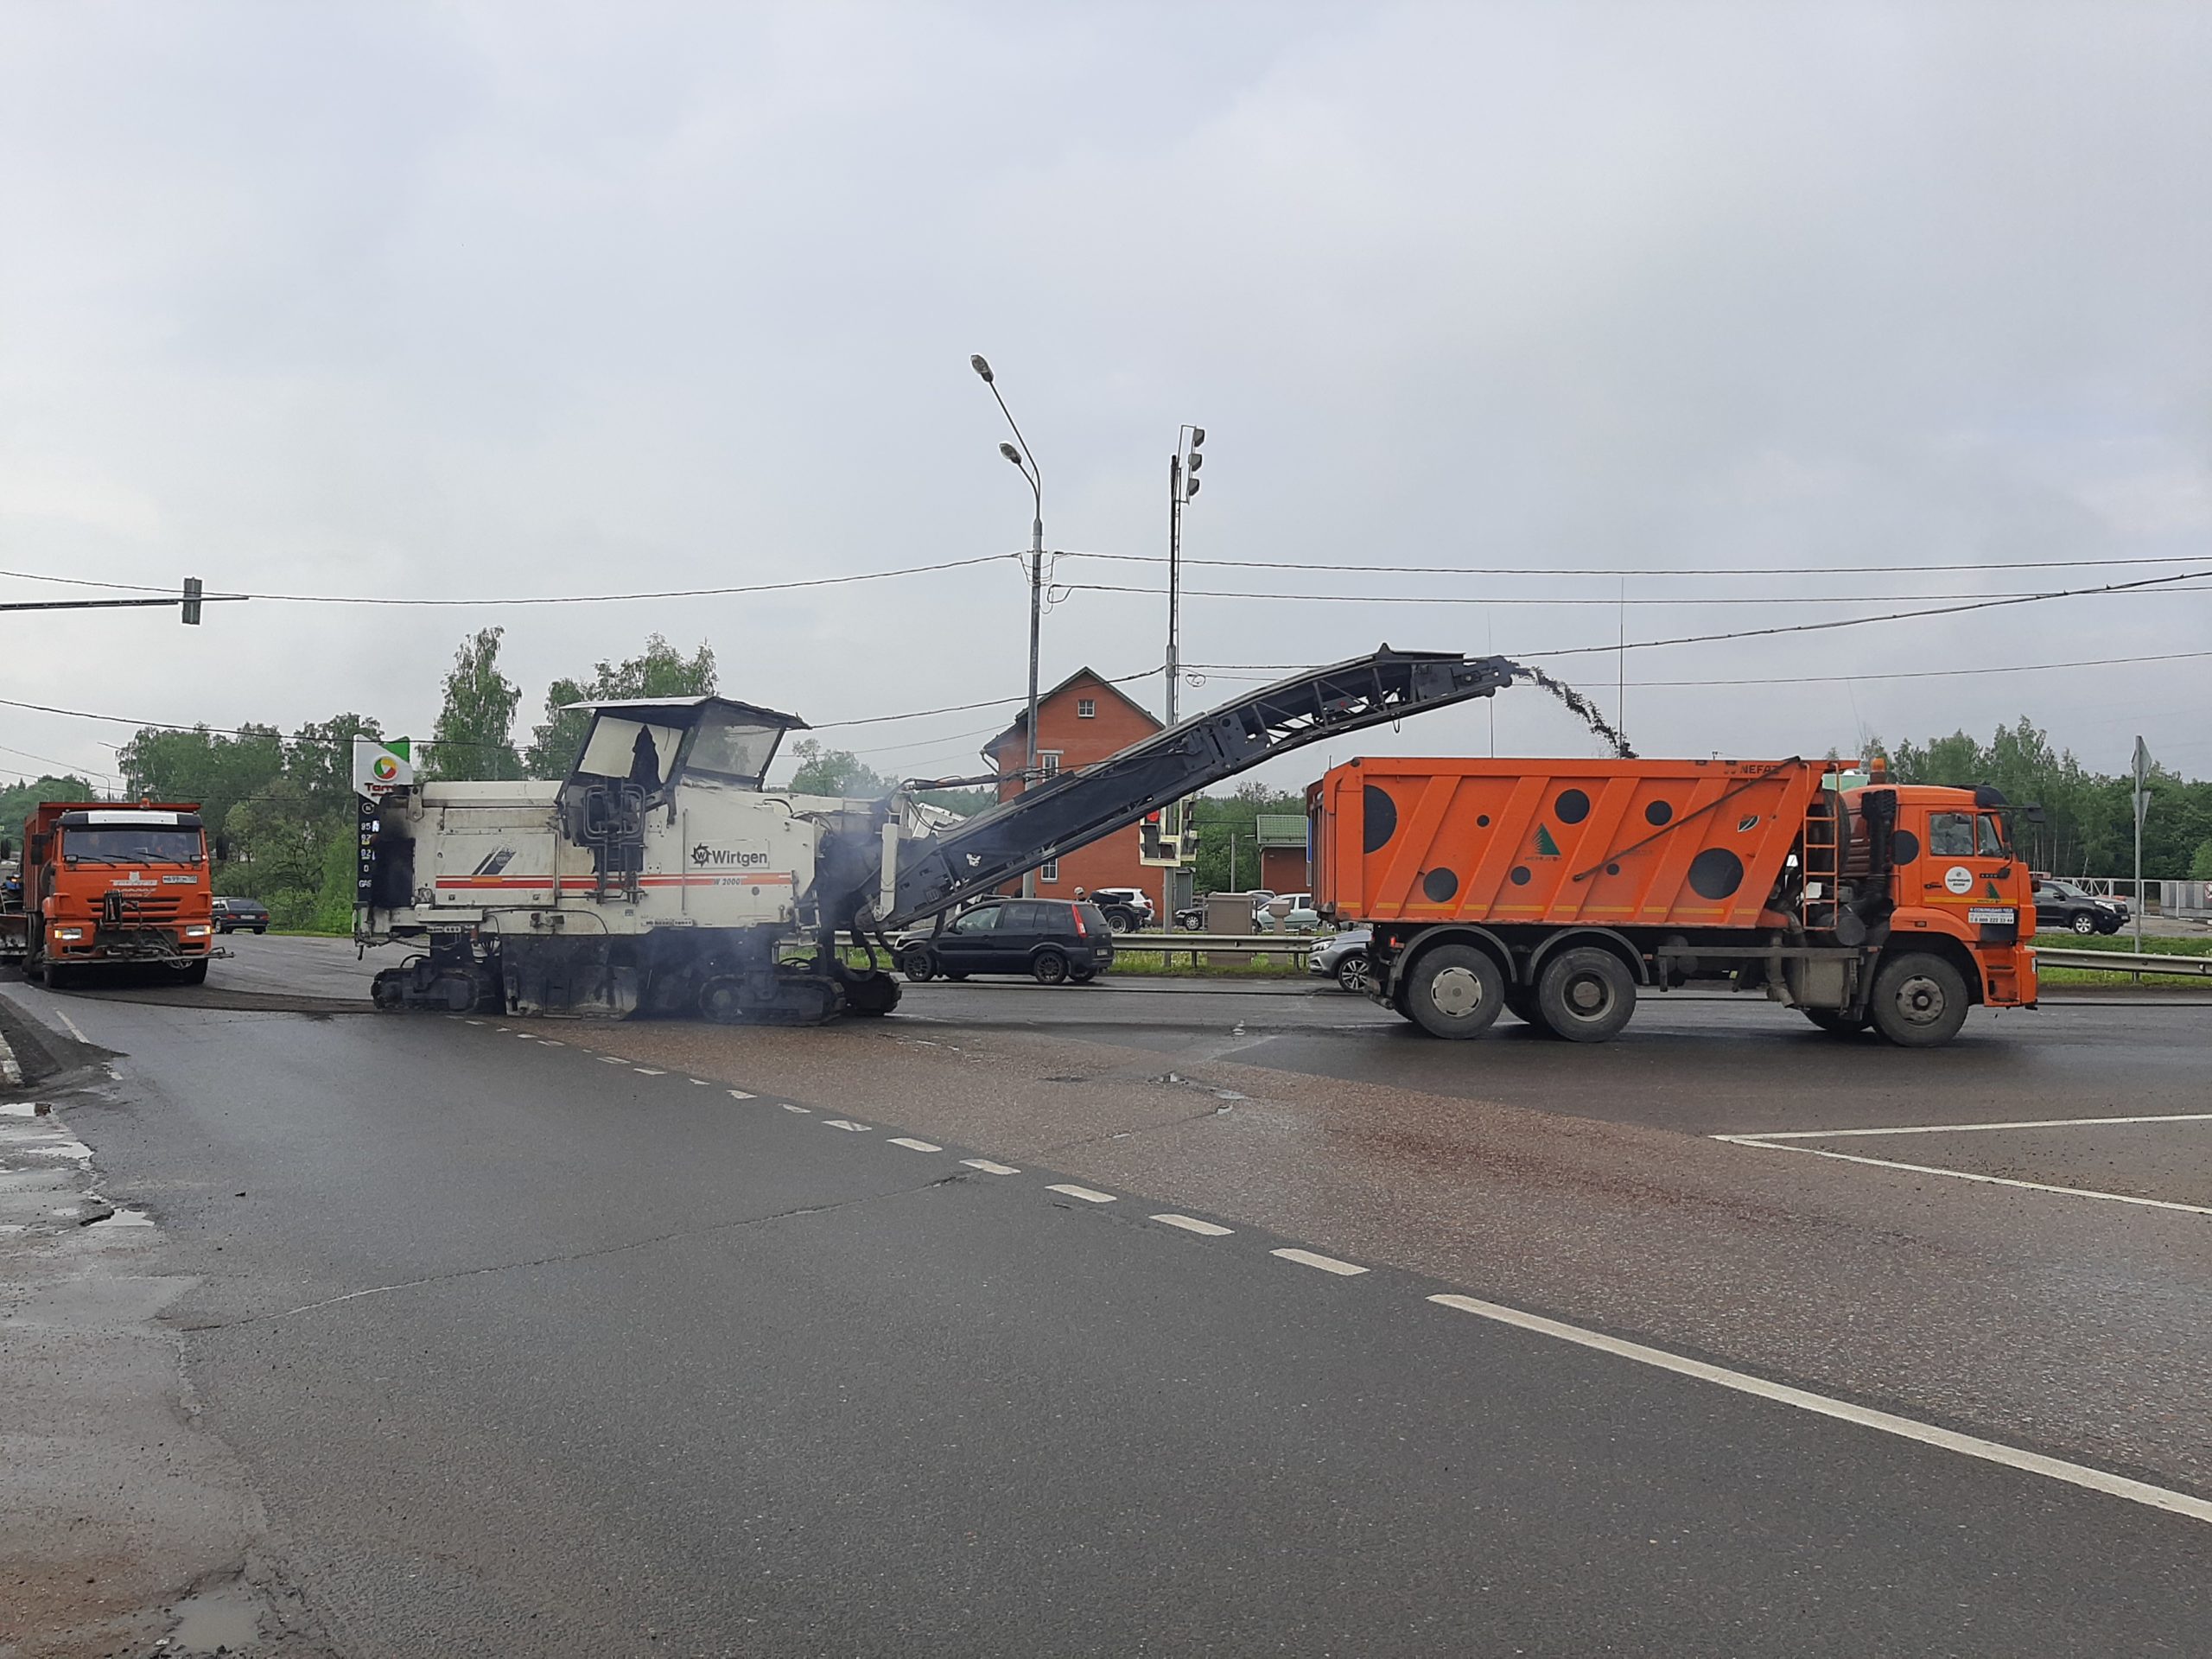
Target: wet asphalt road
pixel 528 1350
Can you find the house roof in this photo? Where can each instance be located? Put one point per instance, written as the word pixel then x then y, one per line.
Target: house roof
pixel 1021 715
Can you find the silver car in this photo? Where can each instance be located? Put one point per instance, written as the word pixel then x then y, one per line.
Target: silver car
pixel 1344 959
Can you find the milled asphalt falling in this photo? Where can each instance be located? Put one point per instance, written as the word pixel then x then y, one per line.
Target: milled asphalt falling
pixel 526 1350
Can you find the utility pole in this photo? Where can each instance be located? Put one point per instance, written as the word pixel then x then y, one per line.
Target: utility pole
pixel 1034 476
pixel 1182 484
pixel 2142 805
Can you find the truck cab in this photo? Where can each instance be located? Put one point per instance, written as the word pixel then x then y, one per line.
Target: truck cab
pixel 1953 877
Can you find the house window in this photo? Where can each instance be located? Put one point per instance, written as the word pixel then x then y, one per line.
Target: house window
pixel 1048 762
pixel 1050 871
pixel 1086 707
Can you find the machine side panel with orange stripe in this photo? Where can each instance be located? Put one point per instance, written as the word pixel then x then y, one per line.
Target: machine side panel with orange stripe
pixel 1762 873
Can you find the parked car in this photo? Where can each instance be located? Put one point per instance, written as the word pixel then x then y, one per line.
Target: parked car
pixel 1053 940
pixel 1127 910
pixel 231 914
pixel 1344 959
pixel 2063 905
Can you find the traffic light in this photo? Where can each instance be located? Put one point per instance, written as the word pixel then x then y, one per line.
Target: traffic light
pixel 1190 467
pixel 191 613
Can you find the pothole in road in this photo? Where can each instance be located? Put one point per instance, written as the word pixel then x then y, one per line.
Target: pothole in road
pixel 226 1619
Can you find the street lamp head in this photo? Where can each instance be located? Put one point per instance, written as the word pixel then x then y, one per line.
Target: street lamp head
pixel 977 363
pixel 1010 453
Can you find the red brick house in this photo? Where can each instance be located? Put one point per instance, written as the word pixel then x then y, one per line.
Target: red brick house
pixel 1081 720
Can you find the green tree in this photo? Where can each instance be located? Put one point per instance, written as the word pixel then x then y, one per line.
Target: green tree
pixel 472 738
pixel 1216 819
pixel 18 800
pixel 215 769
pixel 2200 862
pixel 660 671
pixel 836 772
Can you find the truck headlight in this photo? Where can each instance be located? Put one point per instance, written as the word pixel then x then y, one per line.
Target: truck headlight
pixel 197 931
pixel 68 932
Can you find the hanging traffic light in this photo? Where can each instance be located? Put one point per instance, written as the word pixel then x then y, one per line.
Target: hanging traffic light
pixel 190 614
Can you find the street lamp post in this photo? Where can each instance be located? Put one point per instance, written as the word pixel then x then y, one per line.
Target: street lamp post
pixel 1034 475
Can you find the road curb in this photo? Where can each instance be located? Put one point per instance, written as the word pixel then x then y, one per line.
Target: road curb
pixel 11 1074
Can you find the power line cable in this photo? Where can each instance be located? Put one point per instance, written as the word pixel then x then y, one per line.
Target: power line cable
pixel 1699 571
pixel 540 598
pixel 1609 601
pixel 1793 679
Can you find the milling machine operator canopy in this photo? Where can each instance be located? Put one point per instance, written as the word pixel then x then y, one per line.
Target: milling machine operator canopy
pixel 655 743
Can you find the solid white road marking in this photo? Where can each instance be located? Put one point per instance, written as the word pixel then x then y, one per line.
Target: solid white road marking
pixel 1971 1175
pixel 2096 1480
pixel 649 1072
pixel 1085 1193
pixel 1326 1263
pixel 63 1015
pixel 1963 1128
pixel 804 1111
pixel 913 1145
pixel 844 1123
pixel 1192 1224
pixel 739 1094
pixel 989 1167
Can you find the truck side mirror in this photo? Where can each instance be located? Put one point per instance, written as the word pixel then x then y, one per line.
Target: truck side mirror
pixel 7 851
pixel 222 849
pixel 2032 814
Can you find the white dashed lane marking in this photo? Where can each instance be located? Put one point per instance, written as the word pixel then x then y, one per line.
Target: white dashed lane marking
pixel 612 1059
pixel 1192 1224
pixel 701 1083
pixel 739 1094
pixel 552 1042
pixel 804 1111
pixel 989 1167
pixel 649 1072
pixel 1326 1263
pixel 1085 1193
pixel 913 1145
pixel 844 1123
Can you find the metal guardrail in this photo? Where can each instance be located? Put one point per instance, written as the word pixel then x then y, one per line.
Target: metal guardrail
pixel 1298 946
pixel 2124 961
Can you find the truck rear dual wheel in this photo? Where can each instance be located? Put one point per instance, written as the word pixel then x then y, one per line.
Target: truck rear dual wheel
pixel 1584 995
pixel 1920 1001
pixel 1453 991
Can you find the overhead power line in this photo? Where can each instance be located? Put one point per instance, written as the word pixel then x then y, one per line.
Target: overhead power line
pixel 1629 570
pixel 1607 602
pixel 539 599
pixel 1791 679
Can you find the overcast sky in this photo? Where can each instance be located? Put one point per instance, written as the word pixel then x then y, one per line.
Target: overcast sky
pixel 473 301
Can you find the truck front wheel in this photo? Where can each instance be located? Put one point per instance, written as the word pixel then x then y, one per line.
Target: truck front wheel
pixel 1454 990
pixel 1919 1001
pixel 1585 995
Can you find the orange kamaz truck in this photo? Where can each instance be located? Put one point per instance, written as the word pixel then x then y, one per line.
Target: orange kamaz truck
pixel 1556 889
pixel 106 884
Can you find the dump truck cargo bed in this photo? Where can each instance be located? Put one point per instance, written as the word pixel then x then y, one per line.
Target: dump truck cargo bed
pixel 1671 843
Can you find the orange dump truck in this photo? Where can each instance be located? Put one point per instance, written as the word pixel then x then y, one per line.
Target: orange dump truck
pixel 1555 889
pixel 108 884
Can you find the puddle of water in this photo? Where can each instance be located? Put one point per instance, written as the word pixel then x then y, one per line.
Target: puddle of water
pixel 215 1618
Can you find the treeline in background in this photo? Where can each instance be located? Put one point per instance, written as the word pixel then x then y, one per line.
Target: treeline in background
pixel 283 802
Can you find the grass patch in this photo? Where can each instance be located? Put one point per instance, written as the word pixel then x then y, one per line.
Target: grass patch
pixel 2154 944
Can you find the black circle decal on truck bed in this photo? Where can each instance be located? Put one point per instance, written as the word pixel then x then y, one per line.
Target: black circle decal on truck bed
pixel 1379 814
pixel 1573 806
pixel 1716 873
pixel 1439 886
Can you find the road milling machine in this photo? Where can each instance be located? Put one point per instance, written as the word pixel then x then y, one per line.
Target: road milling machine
pixel 659 876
